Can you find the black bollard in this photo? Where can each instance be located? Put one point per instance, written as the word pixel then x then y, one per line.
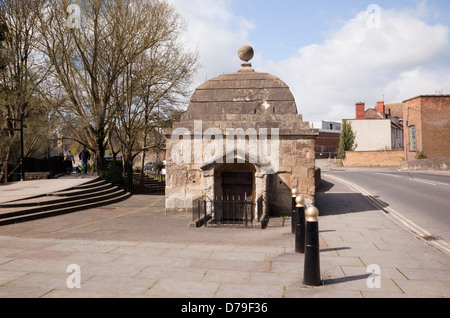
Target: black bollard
pixel 293 218
pixel 300 226
pixel 311 273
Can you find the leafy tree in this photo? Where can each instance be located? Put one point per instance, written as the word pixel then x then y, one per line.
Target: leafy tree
pixel 347 139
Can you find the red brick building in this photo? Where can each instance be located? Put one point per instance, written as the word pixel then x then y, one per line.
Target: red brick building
pixel 427 126
pixel 327 143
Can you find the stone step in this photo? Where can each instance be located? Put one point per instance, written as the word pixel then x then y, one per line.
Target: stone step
pixel 50 199
pixel 92 194
pixel 121 196
pixel 80 190
pixel 53 206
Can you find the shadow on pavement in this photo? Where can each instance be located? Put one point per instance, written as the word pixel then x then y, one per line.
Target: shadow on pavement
pixel 330 201
pixel 331 281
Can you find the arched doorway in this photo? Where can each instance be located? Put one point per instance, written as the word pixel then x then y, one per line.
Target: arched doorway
pixel 234 192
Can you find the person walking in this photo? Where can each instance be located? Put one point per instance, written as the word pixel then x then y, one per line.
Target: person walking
pixel 84 157
pixel 69 160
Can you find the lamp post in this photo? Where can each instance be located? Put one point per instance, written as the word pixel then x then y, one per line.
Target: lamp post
pixel 20 111
pixel 22 170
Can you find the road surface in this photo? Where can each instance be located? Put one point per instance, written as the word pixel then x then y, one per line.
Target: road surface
pixel 418 200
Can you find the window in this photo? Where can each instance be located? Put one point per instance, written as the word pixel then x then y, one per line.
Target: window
pixel 412 138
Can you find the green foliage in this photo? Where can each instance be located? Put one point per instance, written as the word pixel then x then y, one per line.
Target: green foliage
pixel 113 172
pixel 347 140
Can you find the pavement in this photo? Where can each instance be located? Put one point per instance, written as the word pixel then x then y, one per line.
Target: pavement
pixel 133 249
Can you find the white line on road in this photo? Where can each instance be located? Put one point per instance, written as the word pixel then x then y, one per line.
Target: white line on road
pixel 428 182
pixel 410 225
pixel 389 175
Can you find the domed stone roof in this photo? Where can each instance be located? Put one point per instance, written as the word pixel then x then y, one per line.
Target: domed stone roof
pixel 244 92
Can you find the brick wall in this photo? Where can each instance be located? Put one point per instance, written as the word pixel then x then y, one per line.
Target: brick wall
pixel 430 115
pixel 374 158
pixel 360 109
pixel 327 143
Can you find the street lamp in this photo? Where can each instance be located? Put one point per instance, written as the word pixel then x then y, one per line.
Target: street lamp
pixel 20 111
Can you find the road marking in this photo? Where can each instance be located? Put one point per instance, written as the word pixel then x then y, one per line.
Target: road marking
pixel 428 182
pixel 410 225
pixel 424 181
pixel 389 175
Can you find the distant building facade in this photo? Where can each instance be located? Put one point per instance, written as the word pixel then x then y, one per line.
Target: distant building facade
pixel 426 126
pixel 376 128
pixel 327 143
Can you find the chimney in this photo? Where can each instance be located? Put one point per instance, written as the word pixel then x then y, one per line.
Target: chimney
pixel 360 110
pixel 380 109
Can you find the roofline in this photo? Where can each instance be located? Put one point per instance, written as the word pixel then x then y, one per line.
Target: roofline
pixel 443 95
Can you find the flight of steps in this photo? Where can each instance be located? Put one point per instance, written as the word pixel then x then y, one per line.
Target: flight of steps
pixel 95 193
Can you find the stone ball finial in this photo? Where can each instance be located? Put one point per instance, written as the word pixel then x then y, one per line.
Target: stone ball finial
pixel 246 53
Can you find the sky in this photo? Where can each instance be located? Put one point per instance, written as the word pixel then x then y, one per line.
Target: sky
pixel 332 54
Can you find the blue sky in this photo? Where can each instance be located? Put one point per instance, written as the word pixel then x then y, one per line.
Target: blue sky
pixel 284 26
pixel 327 51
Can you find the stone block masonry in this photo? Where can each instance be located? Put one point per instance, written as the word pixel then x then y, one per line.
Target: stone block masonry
pixel 374 158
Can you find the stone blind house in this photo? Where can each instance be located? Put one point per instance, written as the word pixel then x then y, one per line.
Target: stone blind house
pixel 241 136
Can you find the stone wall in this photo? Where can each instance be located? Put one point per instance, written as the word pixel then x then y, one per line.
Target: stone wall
pixel 296 168
pixel 427 164
pixel 374 158
pixel 37 175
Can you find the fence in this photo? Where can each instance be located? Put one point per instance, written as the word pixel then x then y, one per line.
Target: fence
pixel 10 172
pixel 230 211
pixel 147 185
pixel 54 167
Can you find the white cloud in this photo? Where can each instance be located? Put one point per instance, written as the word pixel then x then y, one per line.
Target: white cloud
pixel 217 34
pixel 403 58
pixel 358 63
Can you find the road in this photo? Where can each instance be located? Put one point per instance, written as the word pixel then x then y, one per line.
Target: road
pixel 418 200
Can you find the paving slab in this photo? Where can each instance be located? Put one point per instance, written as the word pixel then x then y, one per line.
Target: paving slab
pixel 134 249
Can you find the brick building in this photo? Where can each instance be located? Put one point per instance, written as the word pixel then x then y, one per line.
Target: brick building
pixel 426 126
pixel 327 142
pixel 376 128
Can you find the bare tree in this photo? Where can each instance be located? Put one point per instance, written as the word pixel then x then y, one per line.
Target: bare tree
pixel 21 75
pixel 151 88
pixel 98 61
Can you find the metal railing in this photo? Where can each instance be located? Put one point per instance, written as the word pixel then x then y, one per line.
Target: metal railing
pixel 146 186
pixel 11 173
pixel 230 211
